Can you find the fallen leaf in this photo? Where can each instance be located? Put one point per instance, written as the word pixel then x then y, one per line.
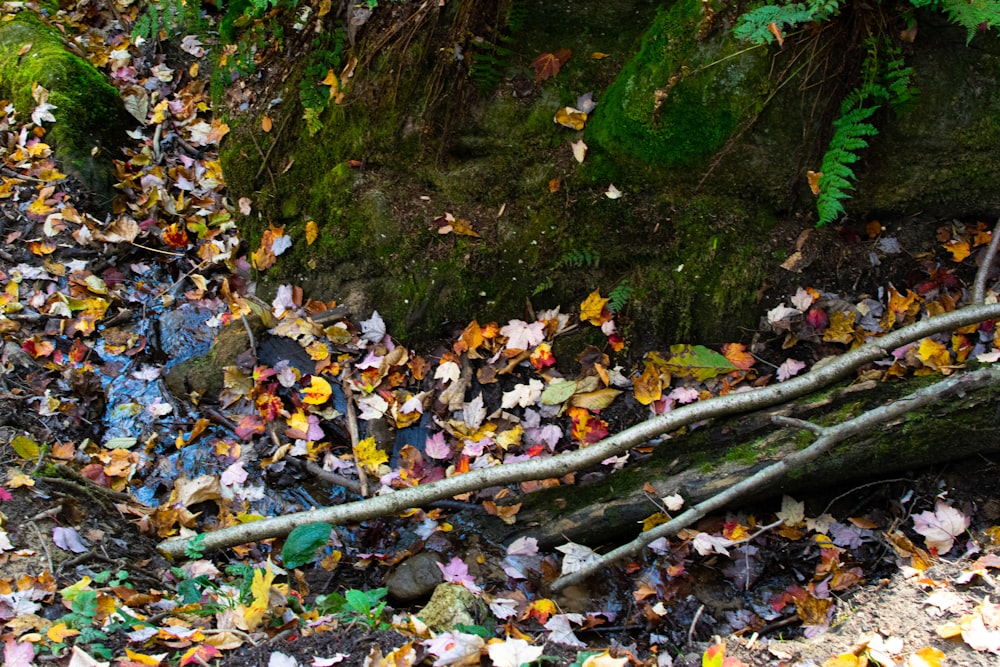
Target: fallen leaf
pixel 571 117
pixel 547 65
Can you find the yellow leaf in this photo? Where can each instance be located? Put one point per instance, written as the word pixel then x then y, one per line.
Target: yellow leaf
pixel 595 400
pixel 592 309
pixel 25 447
pixel 959 249
pixel 648 387
pixel 146 659
pixel 933 354
pixel 370 457
pixel 511 436
pixel 18 480
pixel 312 232
pixel 318 392
pixel 654 520
pixel 604 660
pixel 813 178
pixel 571 118
pixel 842 660
pixel 60 632
pixel 597 55
pixel 926 657
pixel 841 329
pixel 260 588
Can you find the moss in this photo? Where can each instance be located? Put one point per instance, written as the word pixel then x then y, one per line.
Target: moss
pixel 705 91
pixel 90 118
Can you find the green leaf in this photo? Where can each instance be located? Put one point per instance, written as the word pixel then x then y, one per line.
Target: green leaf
pixel 25 447
pixel 695 361
pixel 558 392
pixel 302 543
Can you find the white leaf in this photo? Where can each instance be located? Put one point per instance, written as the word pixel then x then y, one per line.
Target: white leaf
pixel 612 192
pixel 474 412
pixel 372 406
pixel 281 244
pixel 789 368
pixel 579 150
pixel 373 329
pixel 706 544
pixel 673 502
pixel 523 546
pixel 523 336
pixel 448 371
pixel 941 527
pixel 561 632
pixel 577 557
pixel 513 653
pixel 43 113
pixel 802 299
pixel 523 395
pixel 793 512
pixel 279 659
pixel 781 312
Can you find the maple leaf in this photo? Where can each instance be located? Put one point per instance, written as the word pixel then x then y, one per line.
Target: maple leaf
pixel 738 356
pixel 547 65
pixel 542 357
pixel 587 428
pixel 513 652
pixel 576 557
pixel 370 457
pixel 941 527
pixel 789 368
pixel 436 447
pixel 959 249
pixel 594 309
pixel 457 572
pixel 523 336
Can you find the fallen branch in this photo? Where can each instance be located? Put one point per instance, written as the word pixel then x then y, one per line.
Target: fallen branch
pixel 828 437
pixel 565 463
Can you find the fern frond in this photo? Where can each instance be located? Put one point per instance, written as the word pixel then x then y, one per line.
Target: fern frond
pixel 754 26
pixel 972 14
pixel 619 296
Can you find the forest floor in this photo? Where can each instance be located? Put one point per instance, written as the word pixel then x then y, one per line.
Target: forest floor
pixel 104 460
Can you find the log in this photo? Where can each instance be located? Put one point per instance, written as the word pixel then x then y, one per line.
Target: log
pixel 710 459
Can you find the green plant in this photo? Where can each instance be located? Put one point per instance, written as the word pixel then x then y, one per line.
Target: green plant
pixel 170 16
pixel 195 547
pixel 354 606
pixel 885 80
pixel 577 258
pixel 619 296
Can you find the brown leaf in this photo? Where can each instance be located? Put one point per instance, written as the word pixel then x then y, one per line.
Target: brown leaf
pixel 547 65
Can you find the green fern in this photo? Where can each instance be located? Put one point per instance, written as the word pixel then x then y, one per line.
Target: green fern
pixel 619 296
pixel 754 26
pixel 577 258
pixel 488 63
pixel 970 14
pixel 170 16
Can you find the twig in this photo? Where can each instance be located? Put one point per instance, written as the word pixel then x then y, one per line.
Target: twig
pixel 565 463
pixel 982 275
pixel 830 437
pixel 325 475
pixel 352 428
pixel 694 624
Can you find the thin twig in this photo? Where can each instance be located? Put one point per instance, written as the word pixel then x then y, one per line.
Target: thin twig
pixel 694 624
pixel 983 274
pixel 352 429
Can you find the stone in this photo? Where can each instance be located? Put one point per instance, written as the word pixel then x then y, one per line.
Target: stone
pixel 414 578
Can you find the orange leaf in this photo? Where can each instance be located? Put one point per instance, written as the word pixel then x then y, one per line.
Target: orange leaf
pixel 265 124
pixel 959 249
pixel 776 31
pixel 648 387
pixel 813 178
pixel 873 228
pixel 738 356
pixel 318 392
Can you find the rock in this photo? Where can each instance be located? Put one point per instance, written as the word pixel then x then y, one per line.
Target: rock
pixel 91 120
pixel 414 578
pixel 451 605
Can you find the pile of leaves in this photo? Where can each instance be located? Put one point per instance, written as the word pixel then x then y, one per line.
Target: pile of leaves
pixel 81 297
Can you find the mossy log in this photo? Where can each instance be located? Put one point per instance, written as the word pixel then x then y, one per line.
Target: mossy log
pixel 91 120
pixel 712 458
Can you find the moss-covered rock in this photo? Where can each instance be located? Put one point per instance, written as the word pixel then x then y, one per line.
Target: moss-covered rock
pixel 90 118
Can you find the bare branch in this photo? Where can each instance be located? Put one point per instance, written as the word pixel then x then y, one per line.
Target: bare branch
pixel 979 288
pixel 562 464
pixel 773 472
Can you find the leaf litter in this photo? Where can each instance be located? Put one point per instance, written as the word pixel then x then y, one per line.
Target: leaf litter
pixel 81 300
